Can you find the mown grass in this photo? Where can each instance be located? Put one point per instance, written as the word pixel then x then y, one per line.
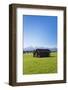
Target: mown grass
pixel 35 65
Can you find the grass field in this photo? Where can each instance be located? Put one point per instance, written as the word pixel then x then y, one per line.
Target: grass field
pixel 35 65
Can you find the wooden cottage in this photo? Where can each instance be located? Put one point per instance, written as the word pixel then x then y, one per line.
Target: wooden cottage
pixel 41 53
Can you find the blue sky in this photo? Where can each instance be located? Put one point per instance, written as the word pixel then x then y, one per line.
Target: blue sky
pixel 40 31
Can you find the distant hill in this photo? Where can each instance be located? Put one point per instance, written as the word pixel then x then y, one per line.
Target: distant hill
pixel 29 49
pixel 53 49
pixel 34 48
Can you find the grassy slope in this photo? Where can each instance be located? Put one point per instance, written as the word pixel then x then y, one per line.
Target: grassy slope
pixel 34 65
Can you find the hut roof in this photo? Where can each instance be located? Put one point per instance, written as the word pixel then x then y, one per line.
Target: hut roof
pixel 43 50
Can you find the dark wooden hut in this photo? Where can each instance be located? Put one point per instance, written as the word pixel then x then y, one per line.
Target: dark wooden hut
pixel 41 53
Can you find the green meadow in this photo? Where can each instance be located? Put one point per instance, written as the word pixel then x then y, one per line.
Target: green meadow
pixel 35 65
